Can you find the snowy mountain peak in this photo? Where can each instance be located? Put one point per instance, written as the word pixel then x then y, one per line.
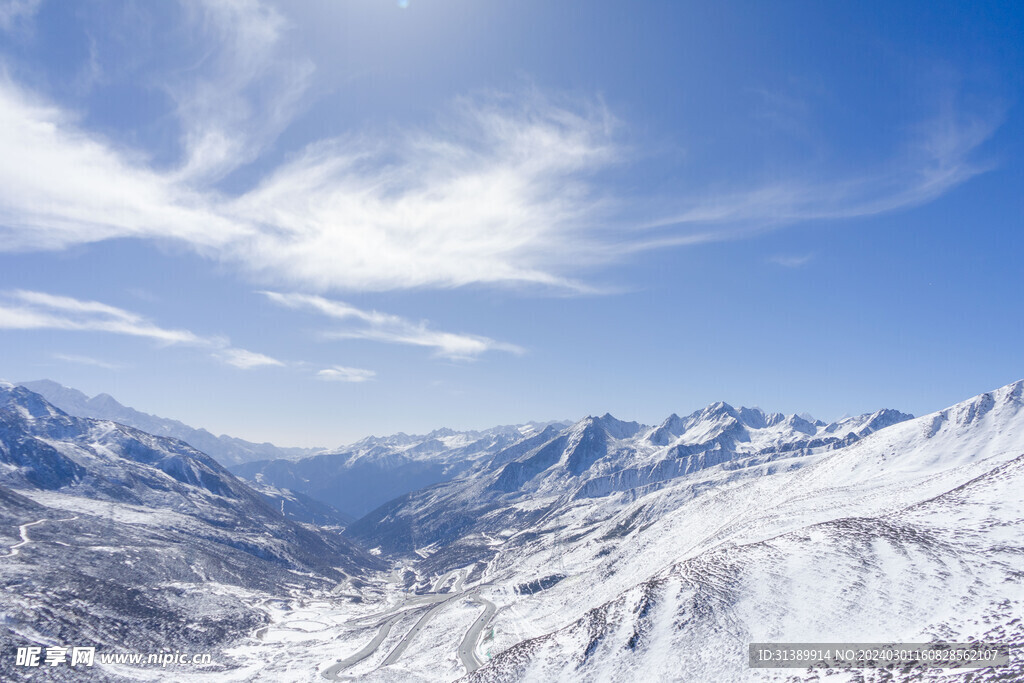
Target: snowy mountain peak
pixel 802 425
pixel 26 403
pixel 106 401
pixel 667 431
pixel 586 446
pixel 614 427
pixel 1012 392
pixel 755 417
pixel 722 421
pixel 719 409
pixel 226 449
pixel 882 419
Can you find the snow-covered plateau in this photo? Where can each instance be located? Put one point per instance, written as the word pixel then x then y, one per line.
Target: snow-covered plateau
pixel 598 551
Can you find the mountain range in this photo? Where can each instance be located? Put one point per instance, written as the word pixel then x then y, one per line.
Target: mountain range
pixel 131 541
pixel 601 550
pixel 227 450
pixel 342 483
pixel 356 479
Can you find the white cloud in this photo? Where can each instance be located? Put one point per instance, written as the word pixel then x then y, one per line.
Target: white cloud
pixel 60 186
pixel 240 358
pixel 384 327
pixel 498 195
pixel 937 160
pixel 247 93
pixel 13 11
pixel 37 310
pixel 87 360
pixel 791 260
pixel 445 344
pixel 338 373
pixel 27 310
pixel 502 191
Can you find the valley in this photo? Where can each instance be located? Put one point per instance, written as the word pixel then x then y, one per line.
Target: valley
pixel 600 550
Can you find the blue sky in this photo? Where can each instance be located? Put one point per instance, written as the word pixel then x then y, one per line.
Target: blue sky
pixel 307 222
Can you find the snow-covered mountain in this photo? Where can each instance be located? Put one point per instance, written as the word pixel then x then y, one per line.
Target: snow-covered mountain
pixel 594 458
pixel 130 540
pixel 227 450
pixel 358 478
pixel 709 532
pixel 911 534
pixel 598 551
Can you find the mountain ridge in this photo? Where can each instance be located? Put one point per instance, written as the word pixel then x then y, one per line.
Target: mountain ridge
pixel 130 542
pixel 910 534
pixel 228 450
pixel 599 457
pixel 599 550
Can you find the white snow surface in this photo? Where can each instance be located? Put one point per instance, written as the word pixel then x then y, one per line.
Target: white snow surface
pixel 911 531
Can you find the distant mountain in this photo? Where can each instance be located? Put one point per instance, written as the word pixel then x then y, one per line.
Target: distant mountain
pixel 907 534
pixel 603 550
pixel 124 540
pixel 46 450
pixel 358 478
pixel 227 450
pixel 598 457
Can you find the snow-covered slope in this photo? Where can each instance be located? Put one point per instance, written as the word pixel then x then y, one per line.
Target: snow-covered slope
pixel 121 539
pixel 227 450
pixel 598 457
pixel 911 534
pixel 357 478
pixel 599 551
pixel 44 450
pixel 881 529
pixel 302 508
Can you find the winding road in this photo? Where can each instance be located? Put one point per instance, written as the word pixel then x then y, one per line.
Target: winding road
pixel 423 621
pixel 23 532
pixel 442 581
pixel 333 672
pixel 467 648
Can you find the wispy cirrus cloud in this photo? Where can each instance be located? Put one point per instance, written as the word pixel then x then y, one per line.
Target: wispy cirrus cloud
pixel 503 189
pixel 502 195
pixel 497 195
pixel 339 373
pixel 393 329
pixel 247 92
pixel 14 11
pixel 28 310
pixel 245 360
pixel 791 260
pixel 87 360
pixel 61 186
pixel 940 156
